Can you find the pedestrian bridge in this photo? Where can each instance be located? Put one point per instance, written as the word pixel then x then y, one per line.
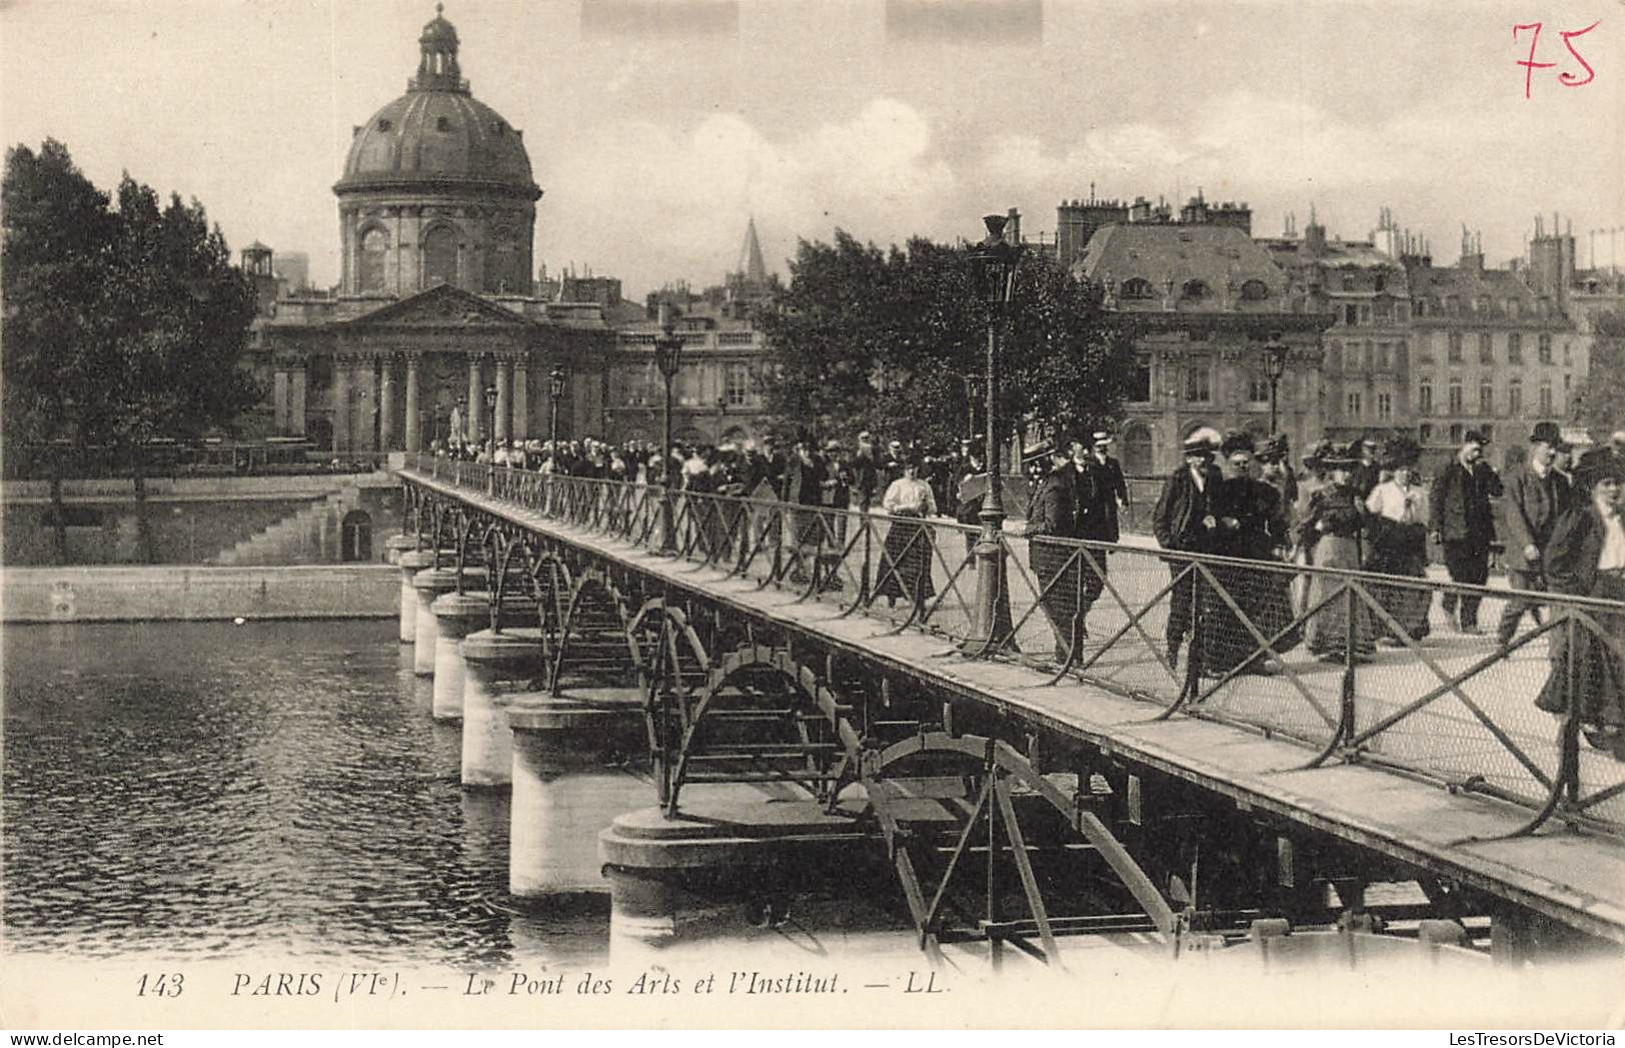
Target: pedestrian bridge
pixel 820 653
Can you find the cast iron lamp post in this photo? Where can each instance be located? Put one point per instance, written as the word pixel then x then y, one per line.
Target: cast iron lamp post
pixel 491 449
pixel 1274 367
pixel 668 358
pixel 996 261
pixel 555 390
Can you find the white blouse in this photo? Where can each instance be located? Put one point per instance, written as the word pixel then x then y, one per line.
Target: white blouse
pixel 1612 557
pixel 909 496
pixel 1390 500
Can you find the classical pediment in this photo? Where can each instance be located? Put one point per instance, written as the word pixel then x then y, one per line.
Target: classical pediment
pixel 441 307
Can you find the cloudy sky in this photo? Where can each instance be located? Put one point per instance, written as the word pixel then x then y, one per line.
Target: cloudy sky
pixel 657 127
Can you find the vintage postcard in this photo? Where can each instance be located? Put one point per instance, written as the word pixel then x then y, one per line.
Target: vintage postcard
pixel 546 514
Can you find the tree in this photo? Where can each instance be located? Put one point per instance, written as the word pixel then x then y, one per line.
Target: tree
pixel 895 342
pixel 131 323
pixel 58 242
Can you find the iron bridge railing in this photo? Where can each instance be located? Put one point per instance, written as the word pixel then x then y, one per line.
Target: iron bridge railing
pixel 1350 664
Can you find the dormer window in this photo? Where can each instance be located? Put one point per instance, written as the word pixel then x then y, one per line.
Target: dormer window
pixel 1255 291
pixel 385 125
pixel 442 124
pixel 1193 289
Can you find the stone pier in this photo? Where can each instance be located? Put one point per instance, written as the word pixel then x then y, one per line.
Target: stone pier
pixel 723 864
pixel 489 657
pixel 411 562
pixel 570 779
pixel 456 616
pixel 428 585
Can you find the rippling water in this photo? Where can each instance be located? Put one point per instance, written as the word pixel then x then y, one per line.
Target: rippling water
pixel 208 790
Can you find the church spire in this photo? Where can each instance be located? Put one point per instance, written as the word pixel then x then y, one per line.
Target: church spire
pixel 437 69
pixel 750 257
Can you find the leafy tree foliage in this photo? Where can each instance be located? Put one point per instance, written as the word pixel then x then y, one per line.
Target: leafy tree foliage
pixel 895 341
pixel 121 325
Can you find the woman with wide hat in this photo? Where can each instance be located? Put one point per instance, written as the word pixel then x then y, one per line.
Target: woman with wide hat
pixel 1332 531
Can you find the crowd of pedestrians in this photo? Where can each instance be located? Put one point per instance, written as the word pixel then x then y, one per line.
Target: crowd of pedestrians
pixel 1360 505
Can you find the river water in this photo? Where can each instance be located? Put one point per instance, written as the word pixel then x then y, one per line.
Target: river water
pixel 208 790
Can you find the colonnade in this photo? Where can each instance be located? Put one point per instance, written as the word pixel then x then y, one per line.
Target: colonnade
pixel 376 400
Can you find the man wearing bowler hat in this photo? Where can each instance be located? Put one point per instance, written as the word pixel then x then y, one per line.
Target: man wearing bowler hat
pixel 1536 495
pixel 1459 520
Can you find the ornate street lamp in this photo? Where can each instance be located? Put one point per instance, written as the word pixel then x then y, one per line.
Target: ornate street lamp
pixel 1274 367
pixel 996 261
pixel 555 390
pixel 491 450
pixel 668 358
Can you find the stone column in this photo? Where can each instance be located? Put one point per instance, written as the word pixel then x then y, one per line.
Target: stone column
pixel 476 400
pixel 279 399
pixel 414 435
pixel 457 615
pixel 386 404
pixel 428 585
pixel 569 783
pixel 340 396
pixel 521 398
pixel 503 400
pixel 296 400
pixel 411 562
pixel 487 740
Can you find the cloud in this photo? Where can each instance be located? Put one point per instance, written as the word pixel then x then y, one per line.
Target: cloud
pixel 682 196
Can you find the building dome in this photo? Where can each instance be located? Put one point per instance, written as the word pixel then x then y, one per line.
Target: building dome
pixel 437 188
pixel 438 133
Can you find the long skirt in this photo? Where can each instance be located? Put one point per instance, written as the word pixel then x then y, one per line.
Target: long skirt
pixel 1265 598
pixel 1401 549
pixel 905 569
pixel 1599 674
pixel 1328 631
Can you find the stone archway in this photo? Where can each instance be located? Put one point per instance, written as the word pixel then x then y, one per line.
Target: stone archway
pixel 355 537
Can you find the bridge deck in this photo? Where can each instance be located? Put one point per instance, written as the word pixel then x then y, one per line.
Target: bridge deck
pixel 1578 879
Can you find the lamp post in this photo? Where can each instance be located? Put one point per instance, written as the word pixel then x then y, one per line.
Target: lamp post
pixel 668 358
pixel 996 261
pixel 555 390
pixel 1274 367
pixel 491 449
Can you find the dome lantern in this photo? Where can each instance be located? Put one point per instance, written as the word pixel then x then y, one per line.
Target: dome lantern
pixel 437 70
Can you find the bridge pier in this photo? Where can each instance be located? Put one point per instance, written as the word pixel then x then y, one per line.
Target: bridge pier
pixel 411 562
pixel 397 545
pixel 486 658
pixel 456 616
pixel 428 585
pixel 567 789
pixel 716 870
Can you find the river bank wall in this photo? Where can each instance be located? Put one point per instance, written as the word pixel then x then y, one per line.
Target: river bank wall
pixel 186 593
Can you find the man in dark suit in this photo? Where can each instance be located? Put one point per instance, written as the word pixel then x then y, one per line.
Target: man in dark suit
pixel 1098 481
pixel 1183 520
pixel 1459 519
pixel 866 471
pixel 1536 495
pixel 1365 476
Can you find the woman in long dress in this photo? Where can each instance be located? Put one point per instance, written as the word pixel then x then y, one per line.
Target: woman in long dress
pixel 1251 526
pixel 1586 557
pixel 905 569
pixel 1398 535
pixel 1332 531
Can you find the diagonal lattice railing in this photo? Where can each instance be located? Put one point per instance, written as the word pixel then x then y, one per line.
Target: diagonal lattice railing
pixel 1355 666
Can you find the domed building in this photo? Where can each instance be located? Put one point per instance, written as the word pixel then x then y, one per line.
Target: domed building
pixel 437 188
pixel 436 304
